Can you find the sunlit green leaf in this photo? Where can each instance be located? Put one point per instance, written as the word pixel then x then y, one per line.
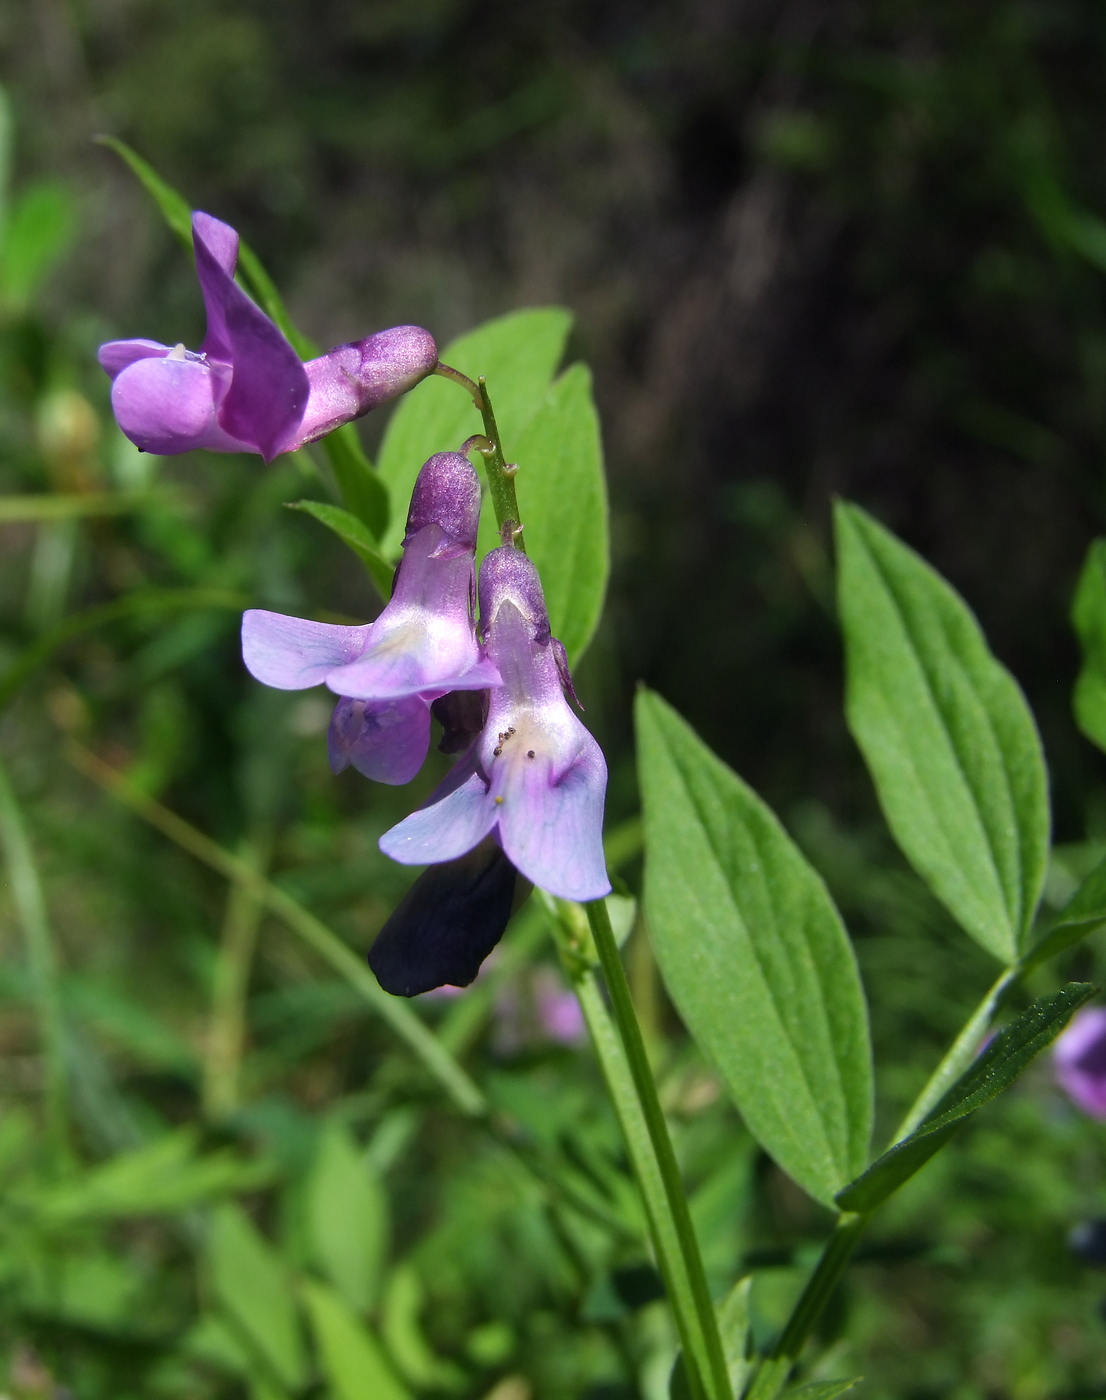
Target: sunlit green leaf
pixel 947 735
pixel 353 1362
pixel 1089 616
pixel 998 1065
pixel 754 955
pixel 347 1213
pixel 402 1332
pixel 518 353
pixel 356 534
pixel 249 1280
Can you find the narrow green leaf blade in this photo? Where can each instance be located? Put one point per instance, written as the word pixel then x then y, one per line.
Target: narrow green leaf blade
pixel 175 209
pixel 947 736
pixel 352 1360
pixel 363 492
pixel 518 353
pixel 1089 617
pixel 347 1215
pixel 248 1277
pixel 562 498
pixel 733 1324
pixel 356 534
pixel 754 955
pixel 998 1066
pixel 1084 912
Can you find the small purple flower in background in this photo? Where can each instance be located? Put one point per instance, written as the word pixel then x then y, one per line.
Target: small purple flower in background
pixel 535 778
pixel 422 645
pixel 1079 1060
pixel 245 389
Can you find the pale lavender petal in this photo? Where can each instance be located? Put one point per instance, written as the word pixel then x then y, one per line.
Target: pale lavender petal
pixel 292 653
pixel 269 390
pixel 385 740
pixel 168 406
pixel 551 819
pixel 1079 1059
pixel 447 827
pixel 394 672
pixel 349 380
pixel 116 355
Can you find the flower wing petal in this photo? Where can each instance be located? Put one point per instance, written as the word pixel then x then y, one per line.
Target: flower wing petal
pixel 116 355
pixel 386 740
pixel 448 825
pixel 292 653
pixel 168 406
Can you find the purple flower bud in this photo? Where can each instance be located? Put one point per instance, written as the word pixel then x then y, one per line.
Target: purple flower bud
pixel 422 646
pixel 1079 1060
pixel 535 778
pixel 246 390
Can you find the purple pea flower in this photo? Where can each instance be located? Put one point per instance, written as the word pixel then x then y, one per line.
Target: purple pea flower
pixel 245 389
pixel 422 645
pixel 1079 1060
pixel 535 779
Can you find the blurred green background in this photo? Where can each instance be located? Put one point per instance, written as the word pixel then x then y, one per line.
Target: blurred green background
pixel 812 249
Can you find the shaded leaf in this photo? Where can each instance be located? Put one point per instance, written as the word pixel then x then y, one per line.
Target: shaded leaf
pixel 733 1324
pixel 1089 617
pixel 357 535
pixel 347 1215
pixel 562 498
pixel 249 1280
pixel 1084 912
pixel 947 736
pixel 42 223
pixel 754 955
pixel 352 1359
pixel 518 354
pixel 362 490
pixel 822 1390
pixel 403 1300
pixel 998 1065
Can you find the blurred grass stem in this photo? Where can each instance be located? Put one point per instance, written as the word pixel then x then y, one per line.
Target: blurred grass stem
pixel 435 1058
pixel 226 1036
pixel 42 964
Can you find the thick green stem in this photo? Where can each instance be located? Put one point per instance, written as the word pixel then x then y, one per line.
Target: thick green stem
pixel 500 474
pixel 625 1065
pixel 42 965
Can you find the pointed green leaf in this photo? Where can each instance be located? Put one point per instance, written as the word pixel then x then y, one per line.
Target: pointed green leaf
pixel 363 492
pixel 356 534
pixel 1084 912
pixel 733 1324
pixel 754 955
pixel 347 1214
pixel 998 1065
pixel 352 1359
pixel 518 354
pixel 947 736
pixel 249 1280
pixel 562 498
pixel 1089 617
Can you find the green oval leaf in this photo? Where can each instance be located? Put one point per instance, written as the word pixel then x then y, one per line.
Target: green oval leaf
pixel 947 736
pixel 998 1065
pixel 347 1214
pixel 352 1360
pixel 517 353
pixel 755 956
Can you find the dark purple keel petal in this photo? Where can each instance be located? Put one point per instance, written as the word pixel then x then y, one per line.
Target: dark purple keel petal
pixel 116 355
pixel 447 827
pixel 269 390
pixel 552 826
pixel 167 406
pixel 446 925
pixel 386 740
pixel 291 653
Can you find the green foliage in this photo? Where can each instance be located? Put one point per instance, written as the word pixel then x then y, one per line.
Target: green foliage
pixel 1089 617
pixel 947 735
pixel 755 957
pixel 347 1218
pixel 352 1359
pixel 357 535
pixel 41 225
pixel 996 1068
pixel 518 354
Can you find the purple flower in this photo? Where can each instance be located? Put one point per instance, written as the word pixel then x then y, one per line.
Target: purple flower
pixel 245 389
pixel 1079 1060
pixel 422 645
pixel 535 778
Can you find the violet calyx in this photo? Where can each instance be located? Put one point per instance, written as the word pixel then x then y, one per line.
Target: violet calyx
pixel 422 645
pixel 245 389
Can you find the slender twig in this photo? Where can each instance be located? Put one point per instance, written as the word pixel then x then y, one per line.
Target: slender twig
pixel 42 964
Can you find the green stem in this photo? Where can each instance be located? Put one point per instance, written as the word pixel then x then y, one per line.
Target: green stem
pixel 226 1035
pixel 625 1064
pixel 960 1054
pixel 501 475
pixel 42 963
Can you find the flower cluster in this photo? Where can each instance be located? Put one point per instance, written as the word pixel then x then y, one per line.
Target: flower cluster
pixel 523 804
